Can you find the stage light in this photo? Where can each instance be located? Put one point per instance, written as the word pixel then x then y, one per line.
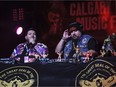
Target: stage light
pixel 19 30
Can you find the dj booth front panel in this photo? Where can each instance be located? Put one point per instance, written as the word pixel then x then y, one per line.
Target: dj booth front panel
pixel 99 72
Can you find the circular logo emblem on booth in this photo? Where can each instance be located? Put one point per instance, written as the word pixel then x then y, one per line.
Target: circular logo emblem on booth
pixel 98 73
pixel 19 76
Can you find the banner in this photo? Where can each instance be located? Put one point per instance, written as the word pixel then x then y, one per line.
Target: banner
pixel 97 73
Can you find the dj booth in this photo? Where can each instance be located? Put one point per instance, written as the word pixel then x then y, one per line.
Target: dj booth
pixel 54 73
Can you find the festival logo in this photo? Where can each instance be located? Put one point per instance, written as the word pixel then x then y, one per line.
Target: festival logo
pixel 98 73
pixel 19 76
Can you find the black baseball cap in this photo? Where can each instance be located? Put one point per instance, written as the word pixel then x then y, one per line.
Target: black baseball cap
pixel 75 24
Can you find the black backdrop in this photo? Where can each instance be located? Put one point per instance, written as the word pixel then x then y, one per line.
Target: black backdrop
pixel 99 72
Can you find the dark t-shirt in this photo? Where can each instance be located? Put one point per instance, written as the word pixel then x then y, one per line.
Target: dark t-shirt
pixel 92 44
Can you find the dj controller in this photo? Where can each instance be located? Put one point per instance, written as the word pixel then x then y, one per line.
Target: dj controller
pixel 56 60
pixel 41 60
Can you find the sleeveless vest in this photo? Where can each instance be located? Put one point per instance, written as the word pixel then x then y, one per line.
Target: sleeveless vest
pixel 82 44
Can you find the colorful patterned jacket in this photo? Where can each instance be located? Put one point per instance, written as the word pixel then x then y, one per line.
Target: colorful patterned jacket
pixel 25 52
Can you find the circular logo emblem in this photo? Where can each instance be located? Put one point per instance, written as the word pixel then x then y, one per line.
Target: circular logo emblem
pixel 19 76
pixel 98 73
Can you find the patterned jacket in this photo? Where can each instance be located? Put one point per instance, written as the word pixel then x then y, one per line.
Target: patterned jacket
pixel 38 50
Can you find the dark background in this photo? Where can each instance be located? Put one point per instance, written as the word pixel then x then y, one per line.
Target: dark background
pixel 36 15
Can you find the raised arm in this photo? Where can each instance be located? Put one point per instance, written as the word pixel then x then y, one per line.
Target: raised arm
pixel 61 43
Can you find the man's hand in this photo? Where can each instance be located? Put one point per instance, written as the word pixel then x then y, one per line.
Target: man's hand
pixel 65 35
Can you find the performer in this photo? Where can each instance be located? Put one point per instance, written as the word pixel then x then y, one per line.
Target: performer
pixel 30 50
pixel 75 44
pixel 108 45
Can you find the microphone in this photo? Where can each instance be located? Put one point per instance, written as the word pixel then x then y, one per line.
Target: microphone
pixel 31 43
pixel 31 40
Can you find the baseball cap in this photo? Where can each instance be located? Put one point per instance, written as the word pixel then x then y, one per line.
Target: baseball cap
pixel 75 24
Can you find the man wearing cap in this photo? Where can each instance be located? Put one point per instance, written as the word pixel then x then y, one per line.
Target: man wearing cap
pixel 75 44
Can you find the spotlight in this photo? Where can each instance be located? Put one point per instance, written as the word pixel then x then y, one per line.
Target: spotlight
pixel 19 30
